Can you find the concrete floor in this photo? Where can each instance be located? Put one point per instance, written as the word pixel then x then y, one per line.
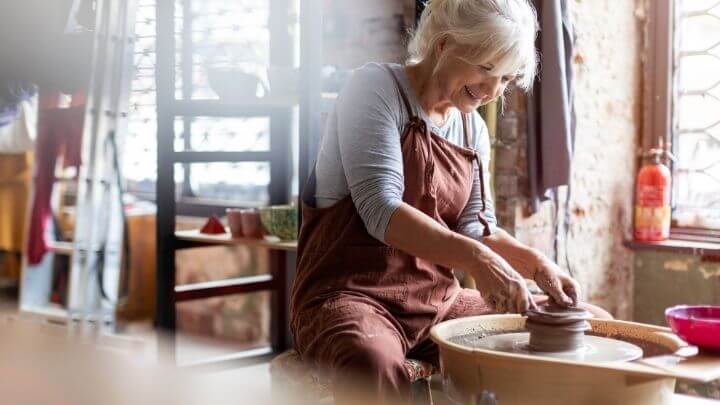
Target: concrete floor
pixel 254 378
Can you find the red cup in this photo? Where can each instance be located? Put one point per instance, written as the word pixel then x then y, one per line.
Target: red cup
pixel 234 218
pixel 251 225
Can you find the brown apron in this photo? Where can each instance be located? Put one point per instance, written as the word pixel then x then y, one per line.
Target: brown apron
pixel 351 289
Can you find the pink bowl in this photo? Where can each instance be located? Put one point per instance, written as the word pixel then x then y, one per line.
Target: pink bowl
pixel 698 325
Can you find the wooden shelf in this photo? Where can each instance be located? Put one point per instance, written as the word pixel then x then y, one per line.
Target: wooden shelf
pixel 218 288
pixel 695 248
pixel 233 360
pixel 200 239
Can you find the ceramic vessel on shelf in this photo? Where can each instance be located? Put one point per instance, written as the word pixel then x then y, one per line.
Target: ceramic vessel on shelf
pixel 280 221
pixel 233 84
pixel 245 223
pixel 283 81
pixel 234 221
pixel 698 325
pixel 251 225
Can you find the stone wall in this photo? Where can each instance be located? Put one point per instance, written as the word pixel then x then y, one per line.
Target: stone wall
pixel 607 66
pixel 665 279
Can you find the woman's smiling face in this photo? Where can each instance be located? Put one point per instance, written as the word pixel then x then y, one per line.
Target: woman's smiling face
pixel 467 86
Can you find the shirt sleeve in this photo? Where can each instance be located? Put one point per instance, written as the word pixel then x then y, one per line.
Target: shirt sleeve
pixel 369 143
pixel 469 224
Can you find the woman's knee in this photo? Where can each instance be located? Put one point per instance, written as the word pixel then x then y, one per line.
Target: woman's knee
pixel 381 352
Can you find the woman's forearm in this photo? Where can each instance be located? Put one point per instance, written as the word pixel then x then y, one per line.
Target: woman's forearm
pixel 413 232
pixel 521 257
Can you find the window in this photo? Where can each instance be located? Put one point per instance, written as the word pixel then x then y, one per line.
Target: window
pixel 223 34
pixel 695 134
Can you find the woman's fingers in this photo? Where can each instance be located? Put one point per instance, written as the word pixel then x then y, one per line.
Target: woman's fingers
pixel 533 304
pixel 498 302
pixel 521 296
pixel 523 300
pixel 516 299
pixel 572 290
pixel 549 282
pixel 504 289
pixel 559 296
pixel 519 304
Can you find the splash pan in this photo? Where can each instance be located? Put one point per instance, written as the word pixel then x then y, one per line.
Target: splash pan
pixel 594 348
pixel 618 363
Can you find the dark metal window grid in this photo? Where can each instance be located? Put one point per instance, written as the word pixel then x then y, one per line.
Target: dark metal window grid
pixel 696 128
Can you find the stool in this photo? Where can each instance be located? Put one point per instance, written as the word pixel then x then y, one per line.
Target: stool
pixel 307 384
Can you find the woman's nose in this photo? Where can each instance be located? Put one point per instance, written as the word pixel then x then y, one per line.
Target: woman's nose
pixel 493 87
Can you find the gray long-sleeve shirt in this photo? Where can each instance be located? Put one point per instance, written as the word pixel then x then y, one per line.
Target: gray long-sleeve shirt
pixel 360 153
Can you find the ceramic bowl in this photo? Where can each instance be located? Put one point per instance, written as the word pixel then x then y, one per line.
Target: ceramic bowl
pixel 698 325
pixel 280 221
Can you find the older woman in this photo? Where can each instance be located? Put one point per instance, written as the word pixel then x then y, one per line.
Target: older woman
pixel 400 197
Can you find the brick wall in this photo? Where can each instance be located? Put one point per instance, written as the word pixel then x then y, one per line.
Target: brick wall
pixel 607 65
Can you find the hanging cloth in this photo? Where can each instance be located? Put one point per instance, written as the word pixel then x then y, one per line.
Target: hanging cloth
pixel 551 113
pixel 59 132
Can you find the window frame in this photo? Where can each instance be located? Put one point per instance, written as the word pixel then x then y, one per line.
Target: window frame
pixel 659 83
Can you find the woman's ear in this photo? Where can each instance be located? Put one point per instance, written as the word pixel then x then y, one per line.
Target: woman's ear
pixel 440 46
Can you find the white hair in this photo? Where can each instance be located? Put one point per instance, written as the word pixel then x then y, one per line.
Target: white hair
pixel 501 31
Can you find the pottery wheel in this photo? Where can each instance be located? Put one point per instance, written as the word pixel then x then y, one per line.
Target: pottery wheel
pixel 559 333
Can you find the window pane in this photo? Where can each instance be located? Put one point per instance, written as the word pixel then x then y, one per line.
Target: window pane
pixel 697 123
pixel 225 35
pixel 140 143
pixel 223 134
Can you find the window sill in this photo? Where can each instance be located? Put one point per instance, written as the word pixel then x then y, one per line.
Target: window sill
pixel 708 251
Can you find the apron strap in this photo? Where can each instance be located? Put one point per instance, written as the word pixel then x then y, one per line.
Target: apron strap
pixel 481 174
pixel 466 131
pixel 469 145
pixel 308 194
pixel 404 96
pixel 414 119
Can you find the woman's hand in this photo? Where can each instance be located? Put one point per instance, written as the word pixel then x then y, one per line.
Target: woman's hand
pixel 561 288
pixel 501 286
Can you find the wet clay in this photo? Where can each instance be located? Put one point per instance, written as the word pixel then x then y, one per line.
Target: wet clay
pixel 556 329
pixel 472 339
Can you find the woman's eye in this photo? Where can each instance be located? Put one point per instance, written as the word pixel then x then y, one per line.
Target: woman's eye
pixel 486 68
